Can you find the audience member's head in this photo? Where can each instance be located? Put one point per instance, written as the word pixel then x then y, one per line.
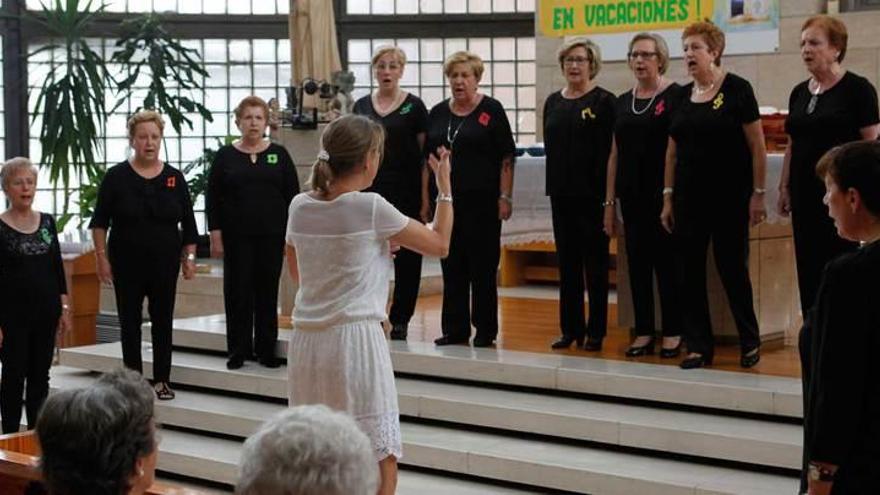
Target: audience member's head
pixel 308 450
pixel 852 188
pixel 99 440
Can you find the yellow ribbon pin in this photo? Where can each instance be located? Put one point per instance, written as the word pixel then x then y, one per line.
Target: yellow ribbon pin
pixel 718 101
pixel 588 111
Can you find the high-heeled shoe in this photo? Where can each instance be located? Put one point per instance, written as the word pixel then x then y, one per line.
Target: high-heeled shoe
pixel 593 344
pixel 671 353
pixel 565 342
pixel 696 361
pixel 750 358
pixel 642 350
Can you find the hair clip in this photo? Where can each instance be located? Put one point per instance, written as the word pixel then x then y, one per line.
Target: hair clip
pixel 323 155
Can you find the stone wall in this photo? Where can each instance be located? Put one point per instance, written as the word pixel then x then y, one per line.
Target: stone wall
pixel 772 75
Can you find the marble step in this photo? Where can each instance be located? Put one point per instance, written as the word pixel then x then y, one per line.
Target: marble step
pixel 746 392
pixel 693 433
pixel 530 462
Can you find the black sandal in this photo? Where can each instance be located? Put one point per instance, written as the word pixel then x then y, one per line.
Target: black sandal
pixel 163 391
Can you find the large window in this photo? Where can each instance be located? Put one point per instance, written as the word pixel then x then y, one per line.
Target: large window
pixel 509 74
pixel 188 6
pixel 401 7
pixel 236 68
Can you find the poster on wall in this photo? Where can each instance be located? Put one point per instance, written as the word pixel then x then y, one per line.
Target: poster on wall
pixel 750 26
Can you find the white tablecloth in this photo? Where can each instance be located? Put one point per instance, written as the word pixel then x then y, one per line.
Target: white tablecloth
pixel 532 219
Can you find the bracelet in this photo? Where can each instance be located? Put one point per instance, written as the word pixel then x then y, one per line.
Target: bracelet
pixel 189 257
pixel 506 197
pixel 610 202
pixel 100 253
pixel 65 307
pixel 667 190
pixel 444 198
pixel 760 190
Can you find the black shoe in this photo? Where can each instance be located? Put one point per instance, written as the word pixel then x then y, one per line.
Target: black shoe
pixel 447 340
pixel 671 353
pixel 270 361
pixel 642 350
pixel 234 363
pixel 565 342
pixel 483 341
pixel 696 361
pixel 750 358
pixel 593 345
pixel 398 331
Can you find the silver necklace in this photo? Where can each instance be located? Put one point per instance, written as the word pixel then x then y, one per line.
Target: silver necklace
pixel 701 91
pixel 814 99
pixel 450 136
pixel 651 102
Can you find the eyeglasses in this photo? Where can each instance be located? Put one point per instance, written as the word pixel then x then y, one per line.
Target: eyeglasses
pixel 644 55
pixel 575 60
pixel 386 67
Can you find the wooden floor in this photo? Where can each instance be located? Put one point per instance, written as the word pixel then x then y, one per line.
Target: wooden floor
pixel 533 324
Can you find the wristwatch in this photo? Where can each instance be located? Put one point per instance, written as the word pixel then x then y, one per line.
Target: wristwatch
pixel 506 197
pixel 820 473
pixel 190 257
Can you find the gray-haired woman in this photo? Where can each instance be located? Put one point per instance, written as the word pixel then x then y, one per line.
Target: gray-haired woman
pixel 100 440
pixel 33 296
pixel 635 177
pixel 308 450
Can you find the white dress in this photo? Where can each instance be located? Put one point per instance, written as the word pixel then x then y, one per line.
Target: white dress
pixel 338 355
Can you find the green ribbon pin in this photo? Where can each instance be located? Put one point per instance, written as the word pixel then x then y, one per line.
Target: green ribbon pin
pixel 405 109
pixel 44 234
pixel 272 158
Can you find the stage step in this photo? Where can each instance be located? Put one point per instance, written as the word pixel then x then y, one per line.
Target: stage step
pixel 745 392
pixel 490 455
pixel 699 434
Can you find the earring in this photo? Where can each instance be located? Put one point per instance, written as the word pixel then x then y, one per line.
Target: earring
pixel 141 472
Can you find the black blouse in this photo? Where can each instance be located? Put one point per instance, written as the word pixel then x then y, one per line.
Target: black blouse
pixel 641 142
pixel 842 420
pixel 479 142
pixel 714 160
pixel 839 114
pixel 577 142
pixel 31 271
pixel 250 198
pixel 144 215
pixel 400 174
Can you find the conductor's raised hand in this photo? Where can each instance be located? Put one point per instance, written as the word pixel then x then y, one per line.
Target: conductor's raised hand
pixel 439 163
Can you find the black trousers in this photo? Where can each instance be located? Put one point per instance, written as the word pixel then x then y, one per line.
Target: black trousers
pixel 649 251
pixel 815 244
pixel 581 247
pixel 470 271
pixel 28 344
pixel 407 272
pixel 251 269
pixel 153 277
pixel 728 229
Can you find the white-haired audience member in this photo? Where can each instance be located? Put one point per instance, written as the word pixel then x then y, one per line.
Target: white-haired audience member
pixel 308 450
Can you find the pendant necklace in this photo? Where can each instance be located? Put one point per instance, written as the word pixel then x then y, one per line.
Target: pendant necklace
pixel 650 102
pixel 450 135
pixel 814 100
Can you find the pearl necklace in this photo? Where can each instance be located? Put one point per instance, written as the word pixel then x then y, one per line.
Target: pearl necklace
pixel 651 102
pixel 698 91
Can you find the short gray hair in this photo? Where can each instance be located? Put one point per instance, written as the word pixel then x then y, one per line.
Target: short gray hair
pixel 659 46
pixel 594 53
pixel 13 167
pixel 308 450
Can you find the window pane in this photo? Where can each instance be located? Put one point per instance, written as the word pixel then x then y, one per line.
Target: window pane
pixel 264 50
pixel 215 51
pixel 383 6
pixel 455 6
pixel 357 6
pixel 359 51
pixel 431 6
pixel 407 6
pixel 165 5
pixel 504 49
pixel 239 76
pixel 239 51
pixel 264 7
pixel 480 6
pixel 504 73
pixel 265 76
pixel 190 7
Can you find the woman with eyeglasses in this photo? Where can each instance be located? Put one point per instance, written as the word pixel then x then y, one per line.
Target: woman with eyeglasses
pixel 402 178
pixel 832 107
pixel 635 177
pixel 713 190
pixel 578 127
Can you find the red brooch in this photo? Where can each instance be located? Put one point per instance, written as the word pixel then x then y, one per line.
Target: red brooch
pixel 170 182
pixel 484 119
pixel 660 108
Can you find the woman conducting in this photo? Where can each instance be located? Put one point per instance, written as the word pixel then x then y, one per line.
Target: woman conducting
pixel 33 296
pixel 635 177
pixel 474 127
pixel 145 205
pixel 400 177
pixel 714 184
pixel 578 128
pixel 338 241
pixel 250 184
pixel 842 413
